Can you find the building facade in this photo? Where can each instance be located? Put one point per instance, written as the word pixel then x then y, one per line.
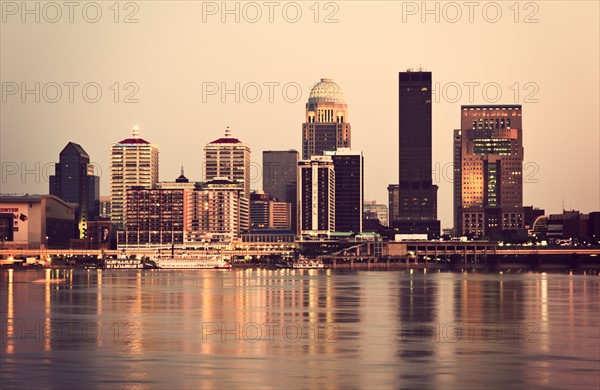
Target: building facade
pixel 417 195
pixel 229 158
pixel 488 150
pixel 349 189
pixel 268 213
pixel 104 208
pixel 74 182
pixel 213 212
pixel 316 196
pixel 326 126
pixel 133 163
pixel 279 177
pixel 374 210
pixel 155 218
pixel 32 221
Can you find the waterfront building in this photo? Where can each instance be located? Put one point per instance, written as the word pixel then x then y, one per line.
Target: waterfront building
pixel 133 163
pixel 316 196
pixel 74 181
pixel 155 218
pixel 32 221
pixel 488 171
pixel 213 212
pixel 416 207
pixel 268 213
pixel 349 189
pixel 229 158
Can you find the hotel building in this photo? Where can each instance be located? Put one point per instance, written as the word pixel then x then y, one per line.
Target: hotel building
pixel 133 163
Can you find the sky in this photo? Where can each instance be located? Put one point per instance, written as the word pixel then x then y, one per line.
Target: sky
pixel 97 69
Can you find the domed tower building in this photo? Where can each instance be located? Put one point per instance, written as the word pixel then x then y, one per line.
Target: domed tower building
pixel 326 126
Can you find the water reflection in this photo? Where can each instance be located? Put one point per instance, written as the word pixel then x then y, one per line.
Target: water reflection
pixel 297 328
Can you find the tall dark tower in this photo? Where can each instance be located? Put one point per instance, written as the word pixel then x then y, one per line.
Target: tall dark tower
pixel 74 181
pixel 349 189
pixel 417 195
pixel 279 177
pixel 326 127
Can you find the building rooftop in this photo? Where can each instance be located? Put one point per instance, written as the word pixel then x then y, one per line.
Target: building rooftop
pixel 76 147
pixel 135 138
pixel 22 198
pixel 228 139
pixel 326 91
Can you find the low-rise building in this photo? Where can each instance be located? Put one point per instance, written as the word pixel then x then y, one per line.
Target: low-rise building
pixel 32 221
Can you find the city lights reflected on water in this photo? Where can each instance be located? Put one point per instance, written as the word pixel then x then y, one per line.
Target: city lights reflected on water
pixel 298 328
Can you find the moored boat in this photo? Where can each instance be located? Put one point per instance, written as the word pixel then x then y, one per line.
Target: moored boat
pixel 195 260
pixel 304 263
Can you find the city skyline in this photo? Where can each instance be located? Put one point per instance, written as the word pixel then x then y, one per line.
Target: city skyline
pixel 173 113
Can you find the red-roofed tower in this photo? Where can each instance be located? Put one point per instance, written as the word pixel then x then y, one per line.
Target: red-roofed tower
pixel 228 157
pixel 133 162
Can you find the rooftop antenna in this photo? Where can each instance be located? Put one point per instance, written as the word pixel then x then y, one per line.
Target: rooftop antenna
pixel 227 132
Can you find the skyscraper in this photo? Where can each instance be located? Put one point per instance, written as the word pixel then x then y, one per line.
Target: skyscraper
pixel 349 189
pixel 316 196
pixel 417 195
pixel 133 163
pixel 279 177
pixel 326 126
pixel 74 182
pixel 229 158
pixel 488 160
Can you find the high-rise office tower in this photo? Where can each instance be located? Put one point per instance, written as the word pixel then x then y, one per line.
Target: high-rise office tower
pixel 133 163
pixel 349 189
pixel 316 196
pixel 417 195
pixel 279 177
pixel 326 125
pixel 74 182
pixel 488 158
pixel 229 158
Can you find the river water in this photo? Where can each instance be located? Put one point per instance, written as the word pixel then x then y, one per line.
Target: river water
pixel 325 329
